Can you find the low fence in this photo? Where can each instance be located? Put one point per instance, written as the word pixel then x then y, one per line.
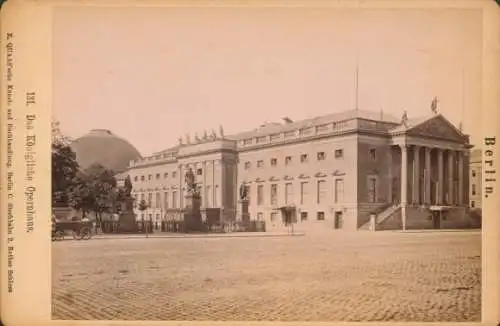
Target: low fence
pixel 173 226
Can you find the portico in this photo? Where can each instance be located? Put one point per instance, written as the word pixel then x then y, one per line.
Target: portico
pixel 432 174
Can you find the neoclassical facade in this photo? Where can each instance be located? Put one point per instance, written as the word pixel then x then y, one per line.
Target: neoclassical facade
pixel 338 170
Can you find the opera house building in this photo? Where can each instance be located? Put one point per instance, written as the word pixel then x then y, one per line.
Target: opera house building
pixel 340 171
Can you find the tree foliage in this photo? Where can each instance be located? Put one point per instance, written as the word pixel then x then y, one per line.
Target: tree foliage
pixel 64 171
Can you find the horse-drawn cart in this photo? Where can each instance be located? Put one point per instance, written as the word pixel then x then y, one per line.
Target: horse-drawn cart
pixel 80 230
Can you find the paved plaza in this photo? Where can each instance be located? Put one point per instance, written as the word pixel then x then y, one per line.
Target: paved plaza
pixel 322 276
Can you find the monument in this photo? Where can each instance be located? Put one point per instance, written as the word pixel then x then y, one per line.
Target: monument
pixel 126 218
pixel 245 216
pixel 192 213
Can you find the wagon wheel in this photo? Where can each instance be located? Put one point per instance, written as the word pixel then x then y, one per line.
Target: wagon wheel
pixel 76 234
pixel 59 235
pixel 86 234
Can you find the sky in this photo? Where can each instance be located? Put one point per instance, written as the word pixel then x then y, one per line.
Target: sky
pixel 151 75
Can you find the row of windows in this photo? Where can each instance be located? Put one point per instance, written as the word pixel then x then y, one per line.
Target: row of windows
pixel 165 175
pixel 304 158
pixel 304 216
pixel 172 198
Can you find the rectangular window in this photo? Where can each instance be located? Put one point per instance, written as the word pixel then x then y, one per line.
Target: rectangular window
pixel 275 136
pixel 288 160
pixel 303 216
pixel 304 193
pixel 339 190
pixel 339 153
pixel 150 199
pixel 165 175
pixel 473 173
pixel 274 217
pixel 372 190
pixel 260 216
pixel 288 194
pixel 289 134
pixel 304 158
pixel 174 199
pixel 320 216
pixel 321 192
pixel 216 196
pixel 142 178
pixel 150 177
pixel 321 156
pixel 247 165
pixel 247 142
pixel 274 194
pixel 199 171
pixel 158 200
pixel 260 195
pixel 157 176
pixel 473 189
pixel 136 178
pixel 373 154
pixel 261 139
pixel 260 164
pixel 208 196
pixel 472 204
pixel 274 162
pixel 165 199
pixel 174 174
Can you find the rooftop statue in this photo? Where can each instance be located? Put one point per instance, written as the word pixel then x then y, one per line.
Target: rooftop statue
pixel 434 105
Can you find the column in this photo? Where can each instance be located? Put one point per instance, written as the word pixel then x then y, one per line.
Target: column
pixel 451 157
pixel 440 177
pixel 427 175
pixel 404 183
pixel 460 158
pixel 389 176
pixel 416 175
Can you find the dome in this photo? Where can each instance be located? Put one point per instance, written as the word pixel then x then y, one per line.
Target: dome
pixel 103 147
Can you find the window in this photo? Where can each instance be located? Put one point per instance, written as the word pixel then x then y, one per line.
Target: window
pixel 339 190
pixel 472 204
pixel 150 177
pixel 199 171
pixel 372 190
pixel 150 199
pixel 165 199
pixel 289 134
pixel 209 196
pixel 158 200
pixel 473 173
pixel 136 178
pixel 304 193
pixel 274 217
pixel 373 154
pixel 157 176
pixel 216 196
pixel 304 158
pixel 261 139
pixel 142 178
pixel 247 165
pixel 288 193
pixel 275 136
pixel 288 160
pixel 165 175
pixel 473 189
pixel 247 142
pixel 274 194
pixel 260 195
pixel 339 153
pixel 274 162
pixel 260 163
pixel 320 216
pixel 174 199
pixel 303 216
pixel 157 217
pixel 321 191
pixel 174 174
pixel 321 156
pixel 260 216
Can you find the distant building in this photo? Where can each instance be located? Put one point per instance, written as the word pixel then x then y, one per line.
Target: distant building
pixel 337 169
pixel 475 193
pixel 105 148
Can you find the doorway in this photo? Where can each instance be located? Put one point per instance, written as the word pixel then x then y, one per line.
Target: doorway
pixel 338 220
pixel 436 219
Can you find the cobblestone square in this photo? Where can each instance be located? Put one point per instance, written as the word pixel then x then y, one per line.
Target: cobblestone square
pixel 325 276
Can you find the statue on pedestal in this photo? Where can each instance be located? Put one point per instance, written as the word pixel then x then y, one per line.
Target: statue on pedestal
pixel 190 182
pixel 243 191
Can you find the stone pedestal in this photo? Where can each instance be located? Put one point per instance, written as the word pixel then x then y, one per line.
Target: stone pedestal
pixel 192 213
pixel 245 215
pixel 127 222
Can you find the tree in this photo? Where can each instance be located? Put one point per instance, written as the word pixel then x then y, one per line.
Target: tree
pixel 64 171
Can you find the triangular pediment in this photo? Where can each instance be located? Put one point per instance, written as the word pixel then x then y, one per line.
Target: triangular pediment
pixel 437 127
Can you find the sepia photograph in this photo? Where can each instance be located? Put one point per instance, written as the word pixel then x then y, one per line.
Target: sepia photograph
pixel 266 163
